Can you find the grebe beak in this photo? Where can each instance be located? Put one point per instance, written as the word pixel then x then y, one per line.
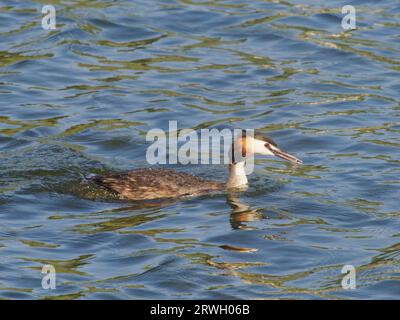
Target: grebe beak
pixel 282 154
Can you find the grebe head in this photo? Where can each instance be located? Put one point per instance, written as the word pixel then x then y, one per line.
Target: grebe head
pixel 246 145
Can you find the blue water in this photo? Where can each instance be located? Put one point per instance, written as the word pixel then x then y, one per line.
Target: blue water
pixel 80 99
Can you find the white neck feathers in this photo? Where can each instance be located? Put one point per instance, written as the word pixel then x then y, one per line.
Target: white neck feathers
pixel 237 175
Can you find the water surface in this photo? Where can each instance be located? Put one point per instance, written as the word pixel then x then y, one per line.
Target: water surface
pixel 80 99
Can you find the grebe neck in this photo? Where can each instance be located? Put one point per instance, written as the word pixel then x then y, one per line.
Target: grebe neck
pixel 237 175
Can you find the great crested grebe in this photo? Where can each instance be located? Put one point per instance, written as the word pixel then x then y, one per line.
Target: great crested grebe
pixel 157 183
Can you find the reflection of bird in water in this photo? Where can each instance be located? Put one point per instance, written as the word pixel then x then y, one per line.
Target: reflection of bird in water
pixel 155 183
pixel 241 213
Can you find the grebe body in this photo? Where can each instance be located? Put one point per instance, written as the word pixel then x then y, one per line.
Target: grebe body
pixel 156 183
